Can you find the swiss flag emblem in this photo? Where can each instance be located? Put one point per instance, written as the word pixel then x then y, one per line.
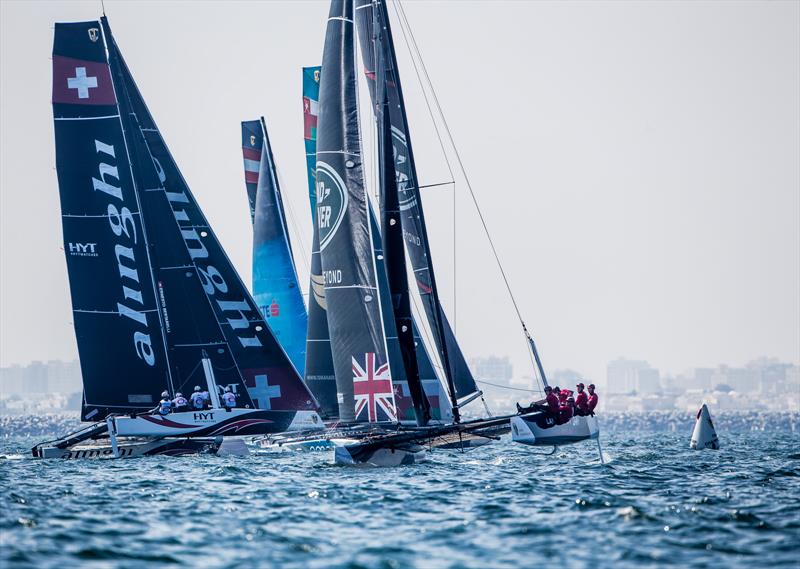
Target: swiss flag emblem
pixel 80 82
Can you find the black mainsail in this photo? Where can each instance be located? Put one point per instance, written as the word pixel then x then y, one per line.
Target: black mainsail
pixel 394 250
pixel 265 370
pixel 355 320
pixel 374 30
pixel 117 322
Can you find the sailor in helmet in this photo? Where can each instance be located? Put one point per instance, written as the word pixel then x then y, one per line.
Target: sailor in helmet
pixel 228 399
pixel 165 405
pixel 206 399
pixel 180 403
pixel 198 402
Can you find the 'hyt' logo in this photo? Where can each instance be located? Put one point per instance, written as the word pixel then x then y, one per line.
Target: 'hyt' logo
pixel 331 202
pixel 83 249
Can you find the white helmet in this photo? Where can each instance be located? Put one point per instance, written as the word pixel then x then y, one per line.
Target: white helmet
pixel 179 394
pixel 228 389
pixel 197 388
pixel 165 394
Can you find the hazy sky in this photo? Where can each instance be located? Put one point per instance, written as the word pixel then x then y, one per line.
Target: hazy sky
pixel 637 163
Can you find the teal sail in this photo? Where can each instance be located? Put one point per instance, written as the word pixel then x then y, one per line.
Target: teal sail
pixel 275 285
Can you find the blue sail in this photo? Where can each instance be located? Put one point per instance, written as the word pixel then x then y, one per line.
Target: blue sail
pixel 275 285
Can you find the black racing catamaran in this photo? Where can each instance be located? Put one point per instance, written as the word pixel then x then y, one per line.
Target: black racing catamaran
pixel 402 232
pixel 364 338
pixel 157 304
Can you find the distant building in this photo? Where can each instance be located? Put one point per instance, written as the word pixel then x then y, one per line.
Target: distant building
pixel 39 378
pixel 564 378
pixel 632 376
pixel 492 368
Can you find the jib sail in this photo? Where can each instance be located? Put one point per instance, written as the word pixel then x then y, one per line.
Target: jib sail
pixel 275 285
pixel 410 205
pixel 115 313
pixel 355 323
pixel 265 369
pixel 319 372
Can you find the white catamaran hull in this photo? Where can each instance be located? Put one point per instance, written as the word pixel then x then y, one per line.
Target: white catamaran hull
pixel 216 422
pixel 138 448
pixel 527 431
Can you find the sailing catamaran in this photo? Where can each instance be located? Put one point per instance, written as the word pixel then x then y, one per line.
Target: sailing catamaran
pixel 357 286
pixel 157 304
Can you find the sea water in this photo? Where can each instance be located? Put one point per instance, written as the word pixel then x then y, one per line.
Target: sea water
pixel 654 502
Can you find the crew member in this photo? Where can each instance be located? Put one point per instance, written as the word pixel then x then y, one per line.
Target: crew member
pixel 229 399
pixel 566 411
pixel 551 400
pixel 198 403
pixel 592 403
pixel 206 399
pixel 581 401
pixel 165 405
pixel 180 403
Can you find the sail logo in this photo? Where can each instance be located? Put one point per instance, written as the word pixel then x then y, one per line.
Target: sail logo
pixel 331 202
pixel 122 225
pixel 236 312
pixel 83 249
pixel 408 197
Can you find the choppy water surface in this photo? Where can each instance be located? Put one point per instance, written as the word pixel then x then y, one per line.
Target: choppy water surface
pixel 654 502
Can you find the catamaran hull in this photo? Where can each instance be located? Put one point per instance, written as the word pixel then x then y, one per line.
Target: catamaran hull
pixel 350 453
pixel 529 431
pixel 163 447
pixel 216 422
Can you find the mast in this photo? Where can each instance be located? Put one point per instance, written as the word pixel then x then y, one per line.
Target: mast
pixel 392 232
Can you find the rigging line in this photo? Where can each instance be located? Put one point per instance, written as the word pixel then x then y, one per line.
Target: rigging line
pixel 295 225
pixel 404 25
pixel 424 330
pixel 401 13
pixel 506 386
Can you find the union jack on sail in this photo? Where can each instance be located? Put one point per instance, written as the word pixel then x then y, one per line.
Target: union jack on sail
pixel 373 389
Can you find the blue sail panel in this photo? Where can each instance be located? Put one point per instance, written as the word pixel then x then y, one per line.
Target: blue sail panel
pixel 275 285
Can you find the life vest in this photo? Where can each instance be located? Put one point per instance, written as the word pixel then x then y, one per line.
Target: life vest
pixel 229 399
pixel 552 403
pixel 197 400
pixel 165 406
pixel 592 402
pixel 180 401
pixel 206 397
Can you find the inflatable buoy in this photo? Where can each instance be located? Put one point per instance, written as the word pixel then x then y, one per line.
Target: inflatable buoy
pixel 704 434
